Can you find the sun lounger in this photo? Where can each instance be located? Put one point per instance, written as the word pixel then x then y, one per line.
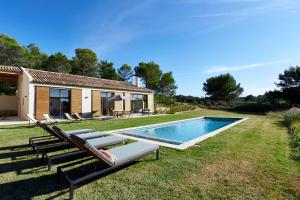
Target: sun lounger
pixel 55 141
pixel 79 117
pixel 50 119
pixel 97 139
pixel 119 156
pixel 69 117
pixel 34 141
pixel 31 118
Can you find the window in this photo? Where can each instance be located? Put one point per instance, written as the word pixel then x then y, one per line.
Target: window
pixel 107 106
pixel 59 102
pixel 138 102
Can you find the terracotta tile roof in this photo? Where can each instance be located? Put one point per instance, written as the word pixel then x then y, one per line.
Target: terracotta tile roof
pixel 54 78
pixel 10 69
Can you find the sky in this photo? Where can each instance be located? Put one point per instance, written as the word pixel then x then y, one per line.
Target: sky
pixel 254 40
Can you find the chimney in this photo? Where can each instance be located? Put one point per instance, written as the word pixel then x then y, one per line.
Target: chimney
pixel 137 81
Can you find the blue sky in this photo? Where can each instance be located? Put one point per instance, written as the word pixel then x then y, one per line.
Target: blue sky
pixel 254 40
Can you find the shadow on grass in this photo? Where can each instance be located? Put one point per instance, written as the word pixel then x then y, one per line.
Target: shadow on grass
pixel 32 187
pixel 15 147
pixel 280 124
pixel 15 155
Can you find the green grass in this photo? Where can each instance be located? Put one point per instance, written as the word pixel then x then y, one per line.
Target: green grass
pixel 248 161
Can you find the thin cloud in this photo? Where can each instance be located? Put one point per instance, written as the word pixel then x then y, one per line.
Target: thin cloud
pixel 218 69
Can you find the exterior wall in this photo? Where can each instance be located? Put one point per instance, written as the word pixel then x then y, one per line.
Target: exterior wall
pixel 151 102
pixel 86 102
pixel 76 101
pixel 127 101
pixel 42 102
pixel 96 103
pixel 26 95
pixel 9 103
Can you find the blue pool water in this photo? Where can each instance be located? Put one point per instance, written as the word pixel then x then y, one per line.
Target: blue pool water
pixel 181 132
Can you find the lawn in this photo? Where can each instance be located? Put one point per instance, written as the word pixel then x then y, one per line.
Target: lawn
pixel 248 161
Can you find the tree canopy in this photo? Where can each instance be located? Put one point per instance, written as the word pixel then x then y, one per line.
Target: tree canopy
pixel 150 73
pixel 11 53
pixel 125 72
pixel 222 88
pixel 107 70
pixel 85 62
pixel 58 62
pixel 34 58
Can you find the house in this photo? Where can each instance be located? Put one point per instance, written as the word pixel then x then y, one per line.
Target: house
pixel 40 92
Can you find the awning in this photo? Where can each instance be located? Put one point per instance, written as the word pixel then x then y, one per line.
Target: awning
pixel 117 98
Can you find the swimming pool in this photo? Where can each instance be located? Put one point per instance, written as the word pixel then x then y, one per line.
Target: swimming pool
pixel 180 134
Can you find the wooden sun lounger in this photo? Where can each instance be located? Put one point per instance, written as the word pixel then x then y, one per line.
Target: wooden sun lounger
pixel 98 139
pixel 124 155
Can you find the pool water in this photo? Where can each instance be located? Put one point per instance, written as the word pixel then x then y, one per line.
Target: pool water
pixel 181 132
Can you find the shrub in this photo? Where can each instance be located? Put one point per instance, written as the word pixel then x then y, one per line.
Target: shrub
pixel 291 116
pixel 180 107
pixel 291 119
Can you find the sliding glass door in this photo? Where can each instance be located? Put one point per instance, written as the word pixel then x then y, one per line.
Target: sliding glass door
pixel 138 102
pixel 107 106
pixel 59 102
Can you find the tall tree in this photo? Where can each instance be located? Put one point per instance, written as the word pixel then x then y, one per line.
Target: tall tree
pixel 85 62
pixel 222 88
pixel 58 62
pixel 107 70
pixel 167 85
pixel 125 72
pixel 11 53
pixel 289 84
pixel 34 58
pixel 290 78
pixel 150 73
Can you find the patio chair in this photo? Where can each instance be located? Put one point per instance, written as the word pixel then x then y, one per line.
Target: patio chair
pixel 79 117
pixel 69 117
pixel 97 139
pixel 31 118
pixel 111 159
pixel 53 140
pixel 50 119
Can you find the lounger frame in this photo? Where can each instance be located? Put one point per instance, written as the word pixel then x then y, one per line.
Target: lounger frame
pixel 73 183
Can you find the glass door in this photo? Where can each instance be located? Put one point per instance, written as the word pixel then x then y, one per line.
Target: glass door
pixel 59 102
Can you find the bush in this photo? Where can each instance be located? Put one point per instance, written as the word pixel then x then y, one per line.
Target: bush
pixel 178 107
pixel 254 107
pixel 291 116
pixel 295 141
pixel 291 119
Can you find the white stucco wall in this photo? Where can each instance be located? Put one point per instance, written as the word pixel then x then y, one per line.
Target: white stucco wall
pixel 151 102
pixel 86 100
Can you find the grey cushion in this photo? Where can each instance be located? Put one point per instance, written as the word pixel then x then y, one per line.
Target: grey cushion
pixel 106 141
pixel 132 151
pixel 79 131
pixel 85 144
pixel 91 135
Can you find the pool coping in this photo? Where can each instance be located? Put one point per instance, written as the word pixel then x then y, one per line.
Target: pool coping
pixel 182 146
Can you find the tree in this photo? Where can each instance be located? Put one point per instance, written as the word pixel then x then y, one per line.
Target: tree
pixel 289 84
pixel 222 88
pixel 85 62
pixel 250 98
pixel 167 85
pixel 107 70
pixel 33 57
pixel 125 72
pixel 58 62
pixel 150 73
pixel 290 78
pixel 11 53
